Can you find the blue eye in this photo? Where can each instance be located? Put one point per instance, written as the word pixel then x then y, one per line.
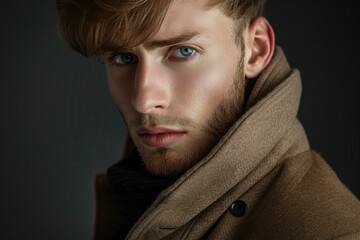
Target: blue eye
pixel 184 52
pixel 124 58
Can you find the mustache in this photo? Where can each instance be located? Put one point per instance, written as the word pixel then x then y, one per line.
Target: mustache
pixel 153 120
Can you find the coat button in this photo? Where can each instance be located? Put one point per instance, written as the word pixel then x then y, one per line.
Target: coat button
pixel 238 208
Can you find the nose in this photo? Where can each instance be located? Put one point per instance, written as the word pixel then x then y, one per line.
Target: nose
pixel 151 92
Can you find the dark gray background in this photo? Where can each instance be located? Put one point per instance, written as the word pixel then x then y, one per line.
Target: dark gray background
pixel 58 126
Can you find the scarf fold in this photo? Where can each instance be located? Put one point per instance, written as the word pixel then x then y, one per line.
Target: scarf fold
pixel 133 190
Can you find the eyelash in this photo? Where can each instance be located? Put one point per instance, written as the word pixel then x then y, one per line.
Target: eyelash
pixel 112 59
pixel 184 58
pixel 168 56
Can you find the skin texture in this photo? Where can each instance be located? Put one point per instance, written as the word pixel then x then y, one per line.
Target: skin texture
pixel 180 90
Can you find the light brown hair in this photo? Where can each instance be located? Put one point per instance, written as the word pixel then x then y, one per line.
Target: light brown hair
pixel 91 26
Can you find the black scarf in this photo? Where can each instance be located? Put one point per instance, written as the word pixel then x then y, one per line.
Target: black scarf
pixel 134 190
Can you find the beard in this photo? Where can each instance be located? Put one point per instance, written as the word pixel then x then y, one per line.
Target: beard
pixel 173 160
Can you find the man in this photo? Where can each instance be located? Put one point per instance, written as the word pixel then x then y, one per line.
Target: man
pixel 210 105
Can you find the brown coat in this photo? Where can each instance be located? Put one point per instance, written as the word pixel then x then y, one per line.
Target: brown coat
pixel 261 181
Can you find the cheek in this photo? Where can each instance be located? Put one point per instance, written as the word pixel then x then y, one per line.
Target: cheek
pixel 120 88
pixel 204 86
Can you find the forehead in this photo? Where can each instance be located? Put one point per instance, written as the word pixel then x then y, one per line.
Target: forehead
pixel 185 16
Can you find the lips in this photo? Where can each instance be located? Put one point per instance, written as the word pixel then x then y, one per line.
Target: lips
pixel 160 137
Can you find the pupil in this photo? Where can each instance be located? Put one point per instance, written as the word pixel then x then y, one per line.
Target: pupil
pixel 186 51
pixel 126 58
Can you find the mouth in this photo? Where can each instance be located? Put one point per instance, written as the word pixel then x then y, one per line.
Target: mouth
pixel 159 136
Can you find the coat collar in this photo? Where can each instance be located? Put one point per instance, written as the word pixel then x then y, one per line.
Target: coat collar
pixel 247 152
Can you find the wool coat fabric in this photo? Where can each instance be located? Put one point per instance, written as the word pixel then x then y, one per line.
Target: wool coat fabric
pixel 261 181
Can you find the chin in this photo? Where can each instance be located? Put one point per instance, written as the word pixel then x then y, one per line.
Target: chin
pixel 161 164
pixel 169 162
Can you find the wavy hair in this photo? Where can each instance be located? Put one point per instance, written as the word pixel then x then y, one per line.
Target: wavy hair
pixel 91 26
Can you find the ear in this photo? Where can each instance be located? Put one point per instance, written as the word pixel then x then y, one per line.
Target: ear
pixel 259 45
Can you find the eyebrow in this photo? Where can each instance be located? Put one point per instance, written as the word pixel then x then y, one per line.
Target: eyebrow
pixel 159 43
pixel 171 41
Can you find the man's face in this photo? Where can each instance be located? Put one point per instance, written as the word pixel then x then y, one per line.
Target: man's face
pixel 179 91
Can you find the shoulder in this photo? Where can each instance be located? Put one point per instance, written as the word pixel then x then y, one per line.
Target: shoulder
pixel 309 200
